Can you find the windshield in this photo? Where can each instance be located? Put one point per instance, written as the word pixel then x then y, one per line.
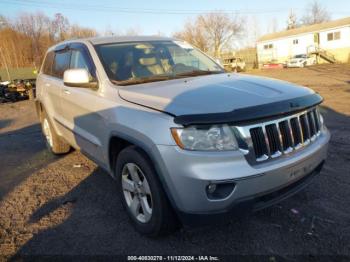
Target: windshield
pixel 140 62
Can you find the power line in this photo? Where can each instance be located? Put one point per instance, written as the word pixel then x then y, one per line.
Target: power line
pixel 114 9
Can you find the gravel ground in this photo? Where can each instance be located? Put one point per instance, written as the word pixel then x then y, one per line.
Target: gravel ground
pixel 68 206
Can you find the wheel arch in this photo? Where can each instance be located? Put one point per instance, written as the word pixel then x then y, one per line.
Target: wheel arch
pixel 39 108
pixel 117 137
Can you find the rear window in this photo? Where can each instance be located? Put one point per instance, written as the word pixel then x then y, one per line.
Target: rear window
pixel 47 66
pixel 61 63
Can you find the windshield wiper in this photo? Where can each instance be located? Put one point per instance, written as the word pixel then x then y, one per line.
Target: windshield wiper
pixel 134 81
pixel 199 72
pixel 142 80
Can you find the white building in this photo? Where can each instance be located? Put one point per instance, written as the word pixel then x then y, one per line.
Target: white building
pixel 329 41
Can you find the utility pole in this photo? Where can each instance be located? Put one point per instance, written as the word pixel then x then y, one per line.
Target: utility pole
pixel 292 20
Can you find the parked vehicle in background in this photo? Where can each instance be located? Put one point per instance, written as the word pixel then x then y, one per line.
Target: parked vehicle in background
pixel 301 61
pixel 184 140
pixel 234 64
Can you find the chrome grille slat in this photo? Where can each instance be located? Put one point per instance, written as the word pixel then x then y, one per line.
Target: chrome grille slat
pixel 274 138
pixel 317 120
pixel 291 134
pixel 259 142
pixel 266 142
pixel 286 136
pixel 305 127
pixel 295 127
pixel 312 124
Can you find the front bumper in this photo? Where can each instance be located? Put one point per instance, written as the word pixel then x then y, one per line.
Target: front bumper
pixel 252 203
pixel 187 174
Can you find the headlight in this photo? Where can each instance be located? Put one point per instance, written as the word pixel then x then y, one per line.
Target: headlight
pixel 205 138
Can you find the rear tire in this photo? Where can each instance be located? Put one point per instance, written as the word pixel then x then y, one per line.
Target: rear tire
pixel 54 142
pixel 154 215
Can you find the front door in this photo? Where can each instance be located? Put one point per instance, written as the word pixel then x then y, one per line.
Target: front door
pixel 80 108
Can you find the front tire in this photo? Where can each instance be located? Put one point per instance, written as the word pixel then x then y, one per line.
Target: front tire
pixel 54 142
pixel 142 194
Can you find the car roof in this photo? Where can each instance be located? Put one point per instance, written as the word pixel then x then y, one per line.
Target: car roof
pixel 113 39
pixel 120 39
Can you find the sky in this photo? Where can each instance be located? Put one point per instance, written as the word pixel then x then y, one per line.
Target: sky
pixel 166 17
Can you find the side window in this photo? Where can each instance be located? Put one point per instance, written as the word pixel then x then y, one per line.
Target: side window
pixel 269 46
pixel 330 36
pixel 333 36
pixel 337 35
pixel 47 66
pixel 79 59
pixel 61 63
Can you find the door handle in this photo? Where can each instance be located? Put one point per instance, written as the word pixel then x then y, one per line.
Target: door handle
pixel 66 91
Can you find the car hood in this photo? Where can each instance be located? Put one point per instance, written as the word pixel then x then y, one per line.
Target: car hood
pixel 209 94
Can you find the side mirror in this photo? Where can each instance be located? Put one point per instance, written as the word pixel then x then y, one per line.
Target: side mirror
pixel 78 78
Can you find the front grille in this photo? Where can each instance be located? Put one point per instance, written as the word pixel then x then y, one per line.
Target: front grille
pixel 273 138
pixel 282 136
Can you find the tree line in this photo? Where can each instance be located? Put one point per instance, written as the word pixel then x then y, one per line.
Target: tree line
pixel 25 39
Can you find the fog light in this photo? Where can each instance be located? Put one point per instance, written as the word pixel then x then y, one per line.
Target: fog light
pixel 220 190
pixel 211 188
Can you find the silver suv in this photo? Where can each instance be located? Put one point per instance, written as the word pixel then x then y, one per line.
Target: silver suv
pixel 183 139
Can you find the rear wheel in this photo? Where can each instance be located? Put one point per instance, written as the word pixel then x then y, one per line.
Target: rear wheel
pixel 54 142
pixel 142 194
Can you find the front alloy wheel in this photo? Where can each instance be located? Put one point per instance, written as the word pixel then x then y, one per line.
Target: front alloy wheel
pixel 142 194
pixel 137 193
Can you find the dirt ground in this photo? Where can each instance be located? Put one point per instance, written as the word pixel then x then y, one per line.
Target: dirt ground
pixel 68 206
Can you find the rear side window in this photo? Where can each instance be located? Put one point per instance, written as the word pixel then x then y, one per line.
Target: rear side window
pixel 47 66
pixel 61 63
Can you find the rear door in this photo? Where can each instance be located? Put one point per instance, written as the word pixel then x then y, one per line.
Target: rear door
pixel 51 83
pixel 44 83
pixel 60 64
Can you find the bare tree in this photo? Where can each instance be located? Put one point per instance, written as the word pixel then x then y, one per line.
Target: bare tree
pixel 220 29
pixel 252 32
pixel 24 41
pixel 15 49
pixel 35 26
pixel 133 31
pixel 60 27
pixel 77 31
pixel 212 31
pixel 194 34
pixel 315 14
pixel 109 31
pixel 3 22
